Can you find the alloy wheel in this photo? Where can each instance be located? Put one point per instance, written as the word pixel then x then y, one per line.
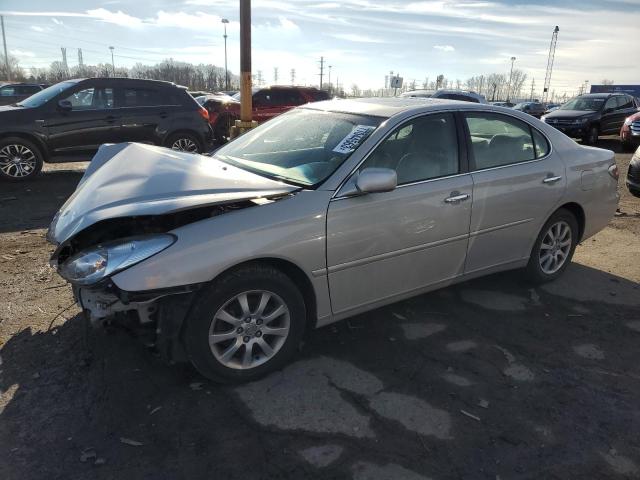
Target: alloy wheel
pixel 185 145
pixel 17 160
pixel 249 329
pixel 555 247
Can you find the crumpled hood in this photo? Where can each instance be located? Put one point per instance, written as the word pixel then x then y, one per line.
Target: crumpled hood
pixel 134 179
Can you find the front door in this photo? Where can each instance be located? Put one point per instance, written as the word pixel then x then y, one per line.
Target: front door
pixel 385 245
pixel 91 122
pixel 517 183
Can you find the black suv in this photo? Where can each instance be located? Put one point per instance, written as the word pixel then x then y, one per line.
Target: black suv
pixel 70 120
pixel 588 116
pixel 14 92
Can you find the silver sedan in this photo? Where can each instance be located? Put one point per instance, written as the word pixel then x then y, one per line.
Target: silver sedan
pixel 327 211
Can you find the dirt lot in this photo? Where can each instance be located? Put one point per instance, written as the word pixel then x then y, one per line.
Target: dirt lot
pixel 491 379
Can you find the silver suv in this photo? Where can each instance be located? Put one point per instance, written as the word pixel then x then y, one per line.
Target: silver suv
pixel 462 95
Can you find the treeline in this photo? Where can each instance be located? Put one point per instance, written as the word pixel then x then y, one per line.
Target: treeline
pixel 195 77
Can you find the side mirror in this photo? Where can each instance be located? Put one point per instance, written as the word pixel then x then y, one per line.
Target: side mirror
pixel 371 180
pixel 65 106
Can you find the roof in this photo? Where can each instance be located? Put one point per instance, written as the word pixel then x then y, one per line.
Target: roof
pixel 384 107
pixel 117 80
pixel 600 95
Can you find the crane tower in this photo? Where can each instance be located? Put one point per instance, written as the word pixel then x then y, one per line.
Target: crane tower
pixel 552 54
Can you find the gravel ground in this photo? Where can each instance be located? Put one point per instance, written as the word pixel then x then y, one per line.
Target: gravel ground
pixel 489 379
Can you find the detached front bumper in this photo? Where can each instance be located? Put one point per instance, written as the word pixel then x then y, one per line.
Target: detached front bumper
pixel 155 316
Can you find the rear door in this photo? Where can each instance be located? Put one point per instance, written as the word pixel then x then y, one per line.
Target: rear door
pixel 517 183
pixel 626 106
pixel 141 110
pixel 92 121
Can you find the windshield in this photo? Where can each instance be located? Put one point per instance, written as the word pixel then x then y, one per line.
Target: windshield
pixel 591 104
pixel 43 96
pixel 302 146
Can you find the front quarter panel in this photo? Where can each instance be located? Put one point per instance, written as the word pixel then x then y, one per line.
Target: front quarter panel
pixel 291 229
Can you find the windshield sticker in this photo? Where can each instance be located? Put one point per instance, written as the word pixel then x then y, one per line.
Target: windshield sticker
pixel 353 139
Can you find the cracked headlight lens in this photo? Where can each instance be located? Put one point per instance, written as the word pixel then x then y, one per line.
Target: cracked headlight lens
pixel 92 265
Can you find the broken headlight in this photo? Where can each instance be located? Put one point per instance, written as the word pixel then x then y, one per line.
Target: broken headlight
pixel 94 264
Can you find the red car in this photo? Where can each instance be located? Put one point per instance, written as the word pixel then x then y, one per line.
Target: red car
pixel 630 132
pixel 267 103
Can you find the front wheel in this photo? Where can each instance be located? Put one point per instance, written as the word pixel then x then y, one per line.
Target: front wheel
pixel 245 325
pixel 554 247
pixel 591 138
pixel 184 142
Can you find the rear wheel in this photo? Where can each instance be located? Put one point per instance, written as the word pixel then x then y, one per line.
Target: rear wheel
pixel 20 159
pixel 184 142
pixel 245 325
pixel 554 247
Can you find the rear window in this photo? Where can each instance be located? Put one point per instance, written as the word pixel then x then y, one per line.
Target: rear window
pixel 140 97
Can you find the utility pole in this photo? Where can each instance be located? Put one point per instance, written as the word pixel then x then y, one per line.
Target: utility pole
pixel 80 61
pixel 64 60
pixel 226 70
pixel 321 70
pixel 513 59
pixel 6 55
pixel 293 76
pixel 246 101
pixel 259 77
pixel 113 64
pixel 533 84
pixel 552 54
pixel 330 66
pixel 275 75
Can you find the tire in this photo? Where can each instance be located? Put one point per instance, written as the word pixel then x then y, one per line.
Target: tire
pixel 540 270
pixel 20 159
pixel 218 311
pixel 635 192
pixel 190 142
pixel 629 147
pixel 591 138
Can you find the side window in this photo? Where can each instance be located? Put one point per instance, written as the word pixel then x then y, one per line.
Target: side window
pixel 92 99
pixel 261 99
pixel 421 149
pixel 611 103
pixel 139 97
pixel 540 143
pixel 624 102
pixel 28 90
pixel 7 91
pixel 498 140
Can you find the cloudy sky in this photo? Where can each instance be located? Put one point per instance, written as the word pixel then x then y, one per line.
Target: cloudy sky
pixel 361 39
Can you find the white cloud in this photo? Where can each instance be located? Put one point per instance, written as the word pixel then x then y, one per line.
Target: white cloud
pixel 22 53
pixel 354 37
pixel 36 28
pixel 119 17
pixel 57 22
pixel 444 48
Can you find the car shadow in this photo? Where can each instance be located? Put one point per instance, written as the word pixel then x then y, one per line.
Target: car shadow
pixel 126 414
pixel 32 204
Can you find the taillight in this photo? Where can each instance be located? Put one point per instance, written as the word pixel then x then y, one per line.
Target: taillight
pixel 204 113
pixel 613 171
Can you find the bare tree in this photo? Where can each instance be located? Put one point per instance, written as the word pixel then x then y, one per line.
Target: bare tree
pixel 607 82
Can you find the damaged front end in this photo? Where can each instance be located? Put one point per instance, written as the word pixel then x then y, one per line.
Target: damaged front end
pixel 120 216
pixel 90 258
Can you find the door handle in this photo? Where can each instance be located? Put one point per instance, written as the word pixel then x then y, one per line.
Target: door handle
pixel 457 198
pixel 551 179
